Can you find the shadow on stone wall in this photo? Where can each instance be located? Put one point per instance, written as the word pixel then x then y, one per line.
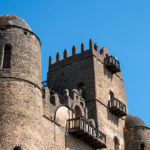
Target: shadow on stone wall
pixel 73 143
pixel 107 73
pixel 113 118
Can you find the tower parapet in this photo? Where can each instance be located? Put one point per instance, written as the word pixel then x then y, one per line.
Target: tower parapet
pixel 68 59
pixel 92 51
pixel 95 74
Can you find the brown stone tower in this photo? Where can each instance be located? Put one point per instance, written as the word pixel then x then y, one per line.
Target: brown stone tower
pixel 137 134
pixel 82 105
pixel 98 78
pixel 20 85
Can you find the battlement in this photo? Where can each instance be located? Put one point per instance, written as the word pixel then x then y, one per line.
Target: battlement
pixel 71 98
pixel 92 51
pixel 70 71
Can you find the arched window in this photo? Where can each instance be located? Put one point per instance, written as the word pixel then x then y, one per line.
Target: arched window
pixel 142 146
pixel 17 148
pixel 116 143
pixel 81 88
pixel 7 56
pixel 112 98
pixel 78 112
pixel 111 95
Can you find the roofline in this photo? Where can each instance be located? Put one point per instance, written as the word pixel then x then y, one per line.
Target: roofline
pixel 25 29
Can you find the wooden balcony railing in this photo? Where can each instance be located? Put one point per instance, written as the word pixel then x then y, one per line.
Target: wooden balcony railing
pixel 84 130
pixel 117 107
pixel 112 64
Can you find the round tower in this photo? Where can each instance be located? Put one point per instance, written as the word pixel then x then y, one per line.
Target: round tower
pixel 20 86
pixel 137 134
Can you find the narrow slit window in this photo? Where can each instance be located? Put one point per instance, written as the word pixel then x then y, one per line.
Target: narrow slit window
pixel 7 56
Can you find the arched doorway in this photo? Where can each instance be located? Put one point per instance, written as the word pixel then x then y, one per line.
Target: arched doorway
pixel 78 112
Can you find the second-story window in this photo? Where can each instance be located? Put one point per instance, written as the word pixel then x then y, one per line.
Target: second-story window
pixel 7 57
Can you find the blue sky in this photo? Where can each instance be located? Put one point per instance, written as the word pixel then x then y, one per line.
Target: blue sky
pixel 123 26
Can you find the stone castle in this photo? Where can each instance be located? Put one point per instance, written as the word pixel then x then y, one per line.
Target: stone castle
pixel 81 106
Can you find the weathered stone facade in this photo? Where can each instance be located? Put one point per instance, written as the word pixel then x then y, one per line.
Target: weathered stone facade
pixel 82 105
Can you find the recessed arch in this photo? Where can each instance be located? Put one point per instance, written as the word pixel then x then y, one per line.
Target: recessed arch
pixel 17 148
pixel 78 112
pixel 62 114
pixel 111 97
pixel 116 143
pixel 77 109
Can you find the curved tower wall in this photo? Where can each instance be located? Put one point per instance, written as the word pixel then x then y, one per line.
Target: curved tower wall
pixel 135 136
pixel 20 92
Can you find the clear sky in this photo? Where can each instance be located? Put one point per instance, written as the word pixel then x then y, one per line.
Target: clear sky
pixel 123 26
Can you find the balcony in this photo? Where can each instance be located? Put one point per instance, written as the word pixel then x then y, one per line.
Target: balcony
pixel 83 129
pixel 112 64
pixel 117 108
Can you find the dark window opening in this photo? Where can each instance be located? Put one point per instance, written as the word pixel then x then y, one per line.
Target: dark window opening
pixel 17 148
pixel 107 55
pixel 25 32
pixel 142 146
pixel 43 94
pixel 112 98
pixel 78 112
pixel 116 142
pixel 81 88
pixel 7 56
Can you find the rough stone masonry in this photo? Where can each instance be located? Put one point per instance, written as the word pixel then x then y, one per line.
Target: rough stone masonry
pixel 81 106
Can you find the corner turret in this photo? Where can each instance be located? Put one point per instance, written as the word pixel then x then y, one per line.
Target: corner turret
pixel 20 85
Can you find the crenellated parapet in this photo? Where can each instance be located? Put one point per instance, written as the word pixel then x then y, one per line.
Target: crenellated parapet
pixel 93 50
pixel 74 56
pixel 68 59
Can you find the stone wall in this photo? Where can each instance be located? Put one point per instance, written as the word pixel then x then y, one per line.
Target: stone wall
pixel 21 107
pixel 20 115
pixel 56 137
pixel 88 67
pixel 105 81
pixel 69 72
pixel 25 54
pixel 135 136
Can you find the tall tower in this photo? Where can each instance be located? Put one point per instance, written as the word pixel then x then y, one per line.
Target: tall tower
pixel 20 86
pixel 97 75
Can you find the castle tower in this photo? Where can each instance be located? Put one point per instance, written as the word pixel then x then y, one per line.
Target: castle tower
pixel 20 86
pixel 97 75
pixel 137 134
